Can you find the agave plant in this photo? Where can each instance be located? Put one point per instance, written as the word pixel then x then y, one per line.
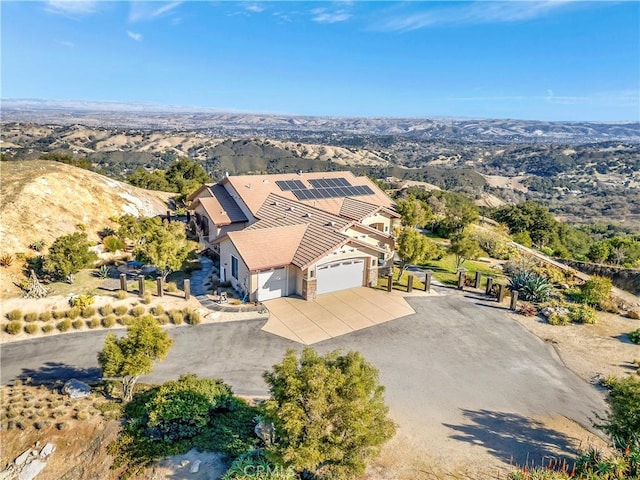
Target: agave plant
pixel 531 286
pixel 103 271
pixel 6 260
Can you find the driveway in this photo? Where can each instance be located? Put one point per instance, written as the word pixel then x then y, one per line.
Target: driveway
pixel 333 314
pixel 455 371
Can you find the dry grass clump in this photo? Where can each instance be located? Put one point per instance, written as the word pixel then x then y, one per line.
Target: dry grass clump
pixel 47 328
pixel 31 328
pixel 30 317
pixel 77 324
pixel 64 325
pixel 176 317
pixel 109 321
pixel 14 327
pixel 88 312
pixel 106 310
pixel 121 295
pixel 120 310
pixel 14 315
pixel 45 316
pixel 138 311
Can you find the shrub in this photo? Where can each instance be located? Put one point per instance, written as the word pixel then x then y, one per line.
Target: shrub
pixel 81 301
pixel 557 318
pixel 622 422
pixel 121 295
pixel 15 315
pixel 58 314
pixel 125 320
pixel 523 238
pixel 527 309
pixel 73 313
pixel 106 310
pixel 93 323
pixel 548 251
pixel 531 286
pixel 138 311
pixel 582 314
pixel 157 310
pixel 609 305
pixel 6 260
pixel 37 246
pixel 14 327
pixel 47 328
pixel 254 465
pixel 112 243
pixel 146 299
pixel 30 317
pixel 77 324
pixel 596 290
pixel 163 319
pixel 120 310
pixel 171 287
pixel 31 328
pixel 553 274
pixel 192 317
pixel 88 312
pixel 109 321
pixel 176 316
pixel 635 336
pixel 64 325
pixel 45 316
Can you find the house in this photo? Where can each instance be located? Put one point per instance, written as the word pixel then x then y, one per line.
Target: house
pixel 296 234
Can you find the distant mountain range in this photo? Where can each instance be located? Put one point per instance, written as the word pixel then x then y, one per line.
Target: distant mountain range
pixel 211 121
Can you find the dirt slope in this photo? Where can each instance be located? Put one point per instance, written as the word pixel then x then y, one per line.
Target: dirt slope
pixel 41 200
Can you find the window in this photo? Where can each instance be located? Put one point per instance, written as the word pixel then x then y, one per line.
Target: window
pixel 234 267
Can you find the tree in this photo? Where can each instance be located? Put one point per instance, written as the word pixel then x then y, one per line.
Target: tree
pixel 459 212
pixel 414 212
pixel 185 176
pixel 155 180
pixel 133 355
pixel 165 246
pixel 328 411
pixel 596 290
pixel 464 247
pixel 413 247
pixel 68 255
pixel 599 252
pixel 622 423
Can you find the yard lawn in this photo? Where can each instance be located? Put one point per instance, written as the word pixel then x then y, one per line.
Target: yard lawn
pixel 401 284
pixel 446 273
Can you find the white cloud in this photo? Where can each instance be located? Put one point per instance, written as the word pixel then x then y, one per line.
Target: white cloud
pixel 478 12
pixel 254 8
pixel 322 15
pixel 143 10
pixel 622 98
pixel 66 43
pixel 136 36
pixel 71 7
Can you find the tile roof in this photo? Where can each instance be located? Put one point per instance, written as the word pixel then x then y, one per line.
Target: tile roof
pixel 254 189
pixel 220 207
pixel 261 249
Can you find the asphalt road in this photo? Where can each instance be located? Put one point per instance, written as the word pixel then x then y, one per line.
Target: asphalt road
pixel 458 369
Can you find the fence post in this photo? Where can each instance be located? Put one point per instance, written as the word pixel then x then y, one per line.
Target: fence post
pixel 141 285
pixel 159 282
pixel 389 282
pixel 461 278
pixel 410 284
pixel 514 300
pixel 123 281
pixel 500 293
pixel 427 281
pixel 187 289
pixel 478 280
pixel 489 285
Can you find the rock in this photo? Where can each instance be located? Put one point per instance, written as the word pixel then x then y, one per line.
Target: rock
pixel 548 311
pixel 184 463
pixel 20 459
pixel 195 467
pixel 634 314
pixel 47 450
pixel 76 389
pixel 31 470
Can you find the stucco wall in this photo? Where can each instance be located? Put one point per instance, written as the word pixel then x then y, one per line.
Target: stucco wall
pixel 379 218
pixel 244 281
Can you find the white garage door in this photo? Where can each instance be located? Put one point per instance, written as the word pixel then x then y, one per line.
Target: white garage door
pixel 339 276
pixel 272 284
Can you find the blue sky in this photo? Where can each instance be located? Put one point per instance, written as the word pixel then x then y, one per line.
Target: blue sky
pixel 539 60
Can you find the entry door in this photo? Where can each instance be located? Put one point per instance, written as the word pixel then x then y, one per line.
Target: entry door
pixel 339 276
pixel 272 284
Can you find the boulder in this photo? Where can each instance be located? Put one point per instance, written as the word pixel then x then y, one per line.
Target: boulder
pixel 47 450
pixel 195 467
pixel 31 470
pixel 76 389
pixel 20 459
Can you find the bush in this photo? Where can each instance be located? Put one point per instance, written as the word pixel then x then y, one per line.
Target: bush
pixel 582 314
pixel 157 310
pixel 125 320
pixel 77 324
pixel 557 318
pixel 622 422
pixel 81 301
pixel 112 243
pixel 192 317
pixel 163 319
pixel 15 315
pixel 120 310
pixel 527 309
pixel 64 325
pixel 146 299
pixel 171 287
pixel 94 323
pixel 596 290
pixel 109 321
pixel 254 465
pixel 73 313
pixel 523 238
pixel 635 336
pixel 47 328
pixel 548 251
pixel 31 328
pixel 121 295
pixel 30 317
pixel 176 316
pixel 88 312
pixel 106 310
pixel 58 314
pixel 14 327
pixel 37 246
pixel 138 311
pixel 45 316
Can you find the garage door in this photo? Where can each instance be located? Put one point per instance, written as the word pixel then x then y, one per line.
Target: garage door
pixel 339 276
pixel 272 284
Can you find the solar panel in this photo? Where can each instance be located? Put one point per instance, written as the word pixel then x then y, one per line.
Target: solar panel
pixel 367 190
pixel 288 185
pixel 332 182
pixel 342 182
pixel 297 185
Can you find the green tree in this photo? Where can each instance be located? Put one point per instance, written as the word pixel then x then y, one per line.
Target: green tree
pixel 459 212
pixel 622 423
pixel 164 245
pixel 596 290
pixel 599 252
pixel 186 176
pixel 464 247
pixel 68 255
pixel 413 212
pixel 155 180
pixel 413 248
pixel 328 411
pixel 133 355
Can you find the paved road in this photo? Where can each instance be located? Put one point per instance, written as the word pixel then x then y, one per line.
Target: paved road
pixel 456 369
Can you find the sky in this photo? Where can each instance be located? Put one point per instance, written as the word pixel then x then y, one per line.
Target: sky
pixel 561 60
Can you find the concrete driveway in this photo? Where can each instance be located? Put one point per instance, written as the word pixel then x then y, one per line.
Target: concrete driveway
pixel 333 314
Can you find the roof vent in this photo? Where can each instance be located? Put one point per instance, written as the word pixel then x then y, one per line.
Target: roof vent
pixel 308 215
pixel 249 186
pixel 276 203
pixel 291 209
pixel 331 224
pixel 265 181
